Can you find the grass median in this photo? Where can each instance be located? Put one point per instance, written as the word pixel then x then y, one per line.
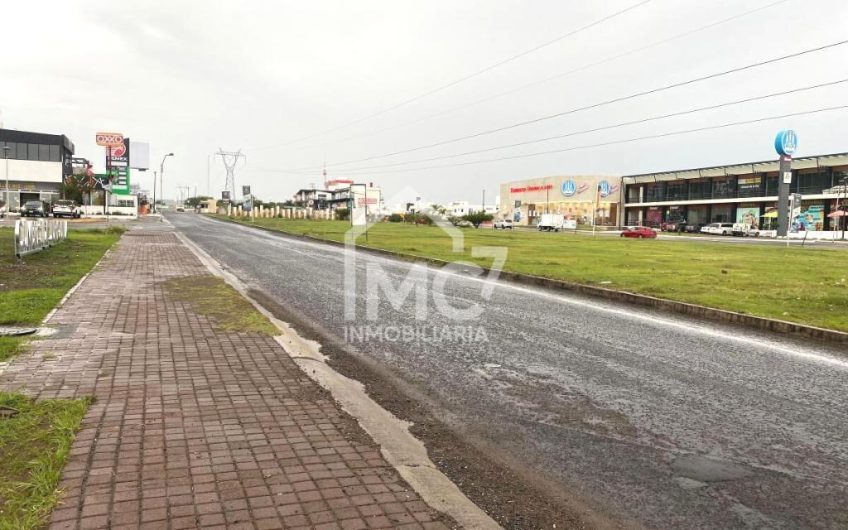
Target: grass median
pixel 30 287
pixel 805 285
pixel 34 445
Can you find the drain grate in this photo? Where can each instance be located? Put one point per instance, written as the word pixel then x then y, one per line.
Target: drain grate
pixel 8 412
pixel 14 332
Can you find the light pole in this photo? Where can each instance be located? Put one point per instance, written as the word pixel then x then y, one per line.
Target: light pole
pixel 6 150
pixel 162 176
pixel 155 179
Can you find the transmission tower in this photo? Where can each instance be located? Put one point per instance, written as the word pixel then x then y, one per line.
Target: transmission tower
pixel 230 159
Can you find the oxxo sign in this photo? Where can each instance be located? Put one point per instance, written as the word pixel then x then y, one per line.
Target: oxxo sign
pixel 109 139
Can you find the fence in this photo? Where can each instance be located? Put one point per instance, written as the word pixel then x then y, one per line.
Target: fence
pixel 32 235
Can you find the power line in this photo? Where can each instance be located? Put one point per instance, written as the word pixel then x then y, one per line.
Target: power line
pixel 562 75
pixel 597 105
pixel 606 127
pixel 464 78
pixel 612 142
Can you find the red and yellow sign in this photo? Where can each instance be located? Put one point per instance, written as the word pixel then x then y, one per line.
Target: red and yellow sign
pixel 109 139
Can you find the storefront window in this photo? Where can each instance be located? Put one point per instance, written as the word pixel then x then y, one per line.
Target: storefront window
pixel 749 186
pixel 812 183
pixel 653 216
pixel 771 185
pixel 721 214
pixel 699 189
pixel 697 215
pixel 675 191
pixel 722 189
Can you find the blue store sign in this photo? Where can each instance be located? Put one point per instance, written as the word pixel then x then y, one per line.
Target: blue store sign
pixel 568 188
pixel 604 188
pixel 786 142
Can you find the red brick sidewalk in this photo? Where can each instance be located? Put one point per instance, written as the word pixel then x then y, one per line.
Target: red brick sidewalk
pixel 194 427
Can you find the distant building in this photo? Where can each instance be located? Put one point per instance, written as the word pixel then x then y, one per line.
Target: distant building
pixel 340 194
pixel 35 165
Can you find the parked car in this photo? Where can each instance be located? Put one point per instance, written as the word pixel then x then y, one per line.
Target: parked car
pixel 744 229
pixel 65 208
pixel 639 232
pixel 671 226
pixel 694 228
pixel 718 229
pixel 35 209
pixel 503 224
pixel 551 222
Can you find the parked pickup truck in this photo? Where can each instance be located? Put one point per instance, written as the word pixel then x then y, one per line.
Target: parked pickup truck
pixel 744 229
pixel 551 222
pixel 65 208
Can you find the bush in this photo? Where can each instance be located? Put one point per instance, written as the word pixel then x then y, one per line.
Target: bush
pixel 477 218
pixel 395 218
pixel 342 214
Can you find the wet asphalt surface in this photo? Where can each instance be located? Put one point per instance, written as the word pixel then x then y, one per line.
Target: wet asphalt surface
pixel 650 419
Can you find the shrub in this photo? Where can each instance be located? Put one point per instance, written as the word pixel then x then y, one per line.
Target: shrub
pixel 342 214
pixel 477 218
pixel 395 218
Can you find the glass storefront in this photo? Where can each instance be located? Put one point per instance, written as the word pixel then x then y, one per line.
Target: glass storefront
pixel 721 213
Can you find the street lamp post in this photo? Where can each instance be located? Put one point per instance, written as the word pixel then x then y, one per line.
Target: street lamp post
pixel 842 189
pixel 162 177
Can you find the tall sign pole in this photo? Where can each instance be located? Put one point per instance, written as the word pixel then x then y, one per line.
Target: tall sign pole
pixel 785 143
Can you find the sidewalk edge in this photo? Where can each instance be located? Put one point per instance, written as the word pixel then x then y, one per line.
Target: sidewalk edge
pixel 399 447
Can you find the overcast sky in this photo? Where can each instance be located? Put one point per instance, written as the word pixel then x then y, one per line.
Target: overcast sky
pixel 271 77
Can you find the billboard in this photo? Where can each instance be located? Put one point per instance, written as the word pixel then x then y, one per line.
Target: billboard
pixel 140 155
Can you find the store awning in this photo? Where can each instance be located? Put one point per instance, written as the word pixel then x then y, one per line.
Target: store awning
pixel 838 213
pixel 770 215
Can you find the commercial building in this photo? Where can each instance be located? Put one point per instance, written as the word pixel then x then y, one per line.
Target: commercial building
pixel 584 198
pixel 738 193
pixel 34 165
pixel 339 194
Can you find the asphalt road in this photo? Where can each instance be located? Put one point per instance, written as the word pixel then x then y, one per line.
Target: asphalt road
pixel 649 419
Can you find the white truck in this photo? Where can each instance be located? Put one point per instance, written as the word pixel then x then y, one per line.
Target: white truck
pixel 551 222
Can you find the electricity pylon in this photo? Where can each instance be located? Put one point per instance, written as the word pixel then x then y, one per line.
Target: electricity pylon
pixel 230 159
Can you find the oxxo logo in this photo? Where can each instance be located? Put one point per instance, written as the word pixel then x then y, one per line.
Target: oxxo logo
pixel 107 139
pixel 568 188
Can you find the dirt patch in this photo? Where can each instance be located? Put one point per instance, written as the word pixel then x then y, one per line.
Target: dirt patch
pixel 210 296
pixel 512 496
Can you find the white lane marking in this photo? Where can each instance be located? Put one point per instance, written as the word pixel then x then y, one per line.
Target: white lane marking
pixel 689 327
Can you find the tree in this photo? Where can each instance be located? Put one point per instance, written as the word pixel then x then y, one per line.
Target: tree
pixel 395 218
pixel 477 218
pixel 342 214
pixel 193 202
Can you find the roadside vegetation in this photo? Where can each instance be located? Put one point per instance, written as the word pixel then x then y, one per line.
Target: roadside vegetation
pixel 806 285
pixel 34 444
pixel 32 286
pixel 212 297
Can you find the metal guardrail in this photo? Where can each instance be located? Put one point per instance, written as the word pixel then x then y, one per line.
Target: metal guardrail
pixel 32 235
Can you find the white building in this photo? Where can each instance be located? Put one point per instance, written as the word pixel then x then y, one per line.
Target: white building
pixel 33 165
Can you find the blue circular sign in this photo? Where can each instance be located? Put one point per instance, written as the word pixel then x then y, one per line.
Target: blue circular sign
pixel 568 188
pixel 786 142
pixel 604 188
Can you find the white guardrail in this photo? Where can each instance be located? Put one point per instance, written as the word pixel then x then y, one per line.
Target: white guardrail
pixel 32 235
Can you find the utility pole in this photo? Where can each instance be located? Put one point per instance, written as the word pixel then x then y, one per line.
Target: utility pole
pixel 162 176
pixel 483 206
pixel 155 178
pixel 230 159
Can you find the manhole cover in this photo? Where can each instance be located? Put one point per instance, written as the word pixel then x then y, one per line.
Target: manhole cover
pixel 8 412
pixel 12 332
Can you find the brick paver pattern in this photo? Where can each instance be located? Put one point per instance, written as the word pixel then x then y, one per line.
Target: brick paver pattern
pixel 194 427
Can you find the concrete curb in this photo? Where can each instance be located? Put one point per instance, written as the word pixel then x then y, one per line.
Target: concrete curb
pixel 670 306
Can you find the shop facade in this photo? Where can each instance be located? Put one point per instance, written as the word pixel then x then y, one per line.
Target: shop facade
pixel 34 165
pixel 739 193
pixel 584 198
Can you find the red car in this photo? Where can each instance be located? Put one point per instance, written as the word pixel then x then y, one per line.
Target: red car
pixel 640 232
